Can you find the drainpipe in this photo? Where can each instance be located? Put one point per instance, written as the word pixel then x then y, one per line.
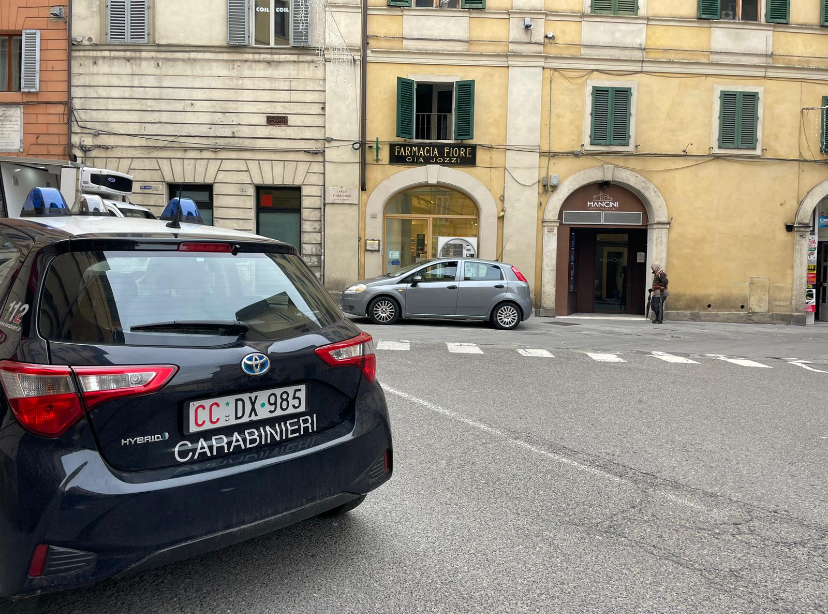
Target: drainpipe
pixel 69 81
pixel 363 66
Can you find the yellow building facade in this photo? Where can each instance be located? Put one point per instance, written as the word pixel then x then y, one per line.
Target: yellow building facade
pixel 583 140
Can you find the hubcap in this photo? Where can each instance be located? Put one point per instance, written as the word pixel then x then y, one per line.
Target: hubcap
pixel 507 316
pixel 384 311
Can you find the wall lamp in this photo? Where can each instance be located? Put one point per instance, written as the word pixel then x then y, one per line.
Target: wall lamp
pixel 789 227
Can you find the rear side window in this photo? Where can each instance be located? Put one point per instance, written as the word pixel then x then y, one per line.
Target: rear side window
pixel 101 297
pixel 480 271
pixel 9 257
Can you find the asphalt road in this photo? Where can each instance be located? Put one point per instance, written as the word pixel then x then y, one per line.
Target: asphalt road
pixel 551 480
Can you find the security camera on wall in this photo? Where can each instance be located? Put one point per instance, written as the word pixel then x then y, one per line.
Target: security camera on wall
pixel 527 23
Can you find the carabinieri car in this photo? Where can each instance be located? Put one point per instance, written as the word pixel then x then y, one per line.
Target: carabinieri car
pixel 166 392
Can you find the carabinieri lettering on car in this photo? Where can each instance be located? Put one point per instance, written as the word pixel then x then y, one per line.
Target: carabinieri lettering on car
pixel 251 438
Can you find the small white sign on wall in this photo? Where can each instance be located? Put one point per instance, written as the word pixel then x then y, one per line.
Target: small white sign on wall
pixel 641 257
pixel 11 128
pixel 342 196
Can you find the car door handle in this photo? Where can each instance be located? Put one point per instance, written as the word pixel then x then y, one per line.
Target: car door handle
pixel 451 287
pixel 499 286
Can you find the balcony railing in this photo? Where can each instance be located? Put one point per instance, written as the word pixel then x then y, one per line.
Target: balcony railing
pixel 434 126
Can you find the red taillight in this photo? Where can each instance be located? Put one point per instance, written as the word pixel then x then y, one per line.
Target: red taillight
pixel 352 353
pixel 46 401
pixel 43 398
pixel 102 384
pixel 223 248
pixel 38 561
pixel 518 274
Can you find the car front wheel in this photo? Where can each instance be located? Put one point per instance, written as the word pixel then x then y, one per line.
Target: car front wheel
pixel 383 310
pixel 506 316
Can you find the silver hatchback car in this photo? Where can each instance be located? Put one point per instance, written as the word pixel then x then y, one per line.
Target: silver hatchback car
pixel 452 288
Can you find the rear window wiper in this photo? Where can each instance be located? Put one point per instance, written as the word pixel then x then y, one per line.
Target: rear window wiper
pixel 222 327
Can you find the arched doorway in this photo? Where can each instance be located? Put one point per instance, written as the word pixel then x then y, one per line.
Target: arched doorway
pixel 603 239
pixel 426 176
pixel 805 230
pixel 657 225
pixel 428 222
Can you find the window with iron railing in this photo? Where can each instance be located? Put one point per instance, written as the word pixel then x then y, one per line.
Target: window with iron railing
pixel 435 111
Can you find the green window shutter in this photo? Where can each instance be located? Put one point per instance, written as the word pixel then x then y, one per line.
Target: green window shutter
pixel 823 141
pixel 748 120
pixel 600 131
pixel 728 111
pixel 472 4
pixel 824 13
pixel 463 110
pixel 403 3
pixel 602 7
pixel 621 112
pixel 626 7
pixel 710 9
pixel 778 11
pixel 405 108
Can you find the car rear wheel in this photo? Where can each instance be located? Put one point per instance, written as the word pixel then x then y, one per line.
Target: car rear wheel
pixel 506 316
pixel 23 606
pixel 344 508
pixel 384 310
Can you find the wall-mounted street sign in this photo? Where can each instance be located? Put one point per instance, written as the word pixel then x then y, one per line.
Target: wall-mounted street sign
pixel 433 153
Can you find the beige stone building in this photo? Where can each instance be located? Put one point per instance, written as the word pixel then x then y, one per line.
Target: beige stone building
pixel 224 101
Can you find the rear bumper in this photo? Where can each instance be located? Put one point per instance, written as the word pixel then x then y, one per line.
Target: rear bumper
pixel 133 526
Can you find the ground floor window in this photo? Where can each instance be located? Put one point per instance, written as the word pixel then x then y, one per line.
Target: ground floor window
pixel 279 214
pixel 202 195
pixel 429 222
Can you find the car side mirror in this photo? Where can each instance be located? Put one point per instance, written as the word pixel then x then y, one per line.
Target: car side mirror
pixel 416 279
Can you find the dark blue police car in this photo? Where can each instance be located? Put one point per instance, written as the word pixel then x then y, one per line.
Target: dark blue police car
pixel 166 392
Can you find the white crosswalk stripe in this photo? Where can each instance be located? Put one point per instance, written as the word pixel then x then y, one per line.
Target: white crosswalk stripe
pixel 464 348
pixel 674 359
pixel 402 346
pixel 742 362
pixel 605 357
pixel 535 353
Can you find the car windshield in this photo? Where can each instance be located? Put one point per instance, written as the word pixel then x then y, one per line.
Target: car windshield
pixel 176 298
pixel 407 269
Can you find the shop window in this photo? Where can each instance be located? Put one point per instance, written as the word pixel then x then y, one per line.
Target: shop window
pixel 615 7
pixel 611 114
pixel 440 4
pixel 776 11
pixel 128 21
pixel 428 222
pixel 279 214
pixel 738 120
pixel 823 140
pixel 202 196
pixel 435 111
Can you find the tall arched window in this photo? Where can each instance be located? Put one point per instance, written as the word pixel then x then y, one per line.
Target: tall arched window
pixel 428 222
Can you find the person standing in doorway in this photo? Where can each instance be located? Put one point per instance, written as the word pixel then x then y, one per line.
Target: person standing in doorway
pixel 660 292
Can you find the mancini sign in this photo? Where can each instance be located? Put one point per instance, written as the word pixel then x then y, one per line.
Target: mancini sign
pixel 433 153
pixel 602 201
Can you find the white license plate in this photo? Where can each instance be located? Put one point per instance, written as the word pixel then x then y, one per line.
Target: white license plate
pixel 221 412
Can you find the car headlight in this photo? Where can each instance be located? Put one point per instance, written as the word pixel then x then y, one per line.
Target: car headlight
pixel 356 288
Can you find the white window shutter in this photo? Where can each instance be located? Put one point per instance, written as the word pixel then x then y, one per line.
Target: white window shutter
pixel 138 30
pixel 117 17
pixel 300 17
pixel 238 13
pixel 30 62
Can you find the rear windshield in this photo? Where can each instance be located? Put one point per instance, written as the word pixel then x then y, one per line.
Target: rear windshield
pixel 144 215
pixel 101 297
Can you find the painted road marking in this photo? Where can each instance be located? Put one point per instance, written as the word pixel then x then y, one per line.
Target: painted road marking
pixel 742 362
pixel 674 359
pixel 535 353
pixel 604 357
pixel 402 346
pixel 464 348
pixel 804 364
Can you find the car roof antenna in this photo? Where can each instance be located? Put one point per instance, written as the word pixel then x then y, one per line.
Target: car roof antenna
pixel 176 221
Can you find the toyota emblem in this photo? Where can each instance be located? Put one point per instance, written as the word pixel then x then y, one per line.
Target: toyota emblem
pixel 255 364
